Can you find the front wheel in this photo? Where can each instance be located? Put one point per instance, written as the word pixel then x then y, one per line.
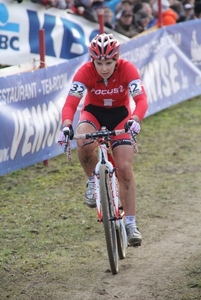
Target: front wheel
pixel 109 222
pixel 122 240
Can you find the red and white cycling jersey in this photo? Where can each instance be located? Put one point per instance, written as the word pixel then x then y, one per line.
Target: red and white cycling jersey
pixel 125 81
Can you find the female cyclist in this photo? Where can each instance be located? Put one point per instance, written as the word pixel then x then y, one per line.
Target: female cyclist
pixel 109 81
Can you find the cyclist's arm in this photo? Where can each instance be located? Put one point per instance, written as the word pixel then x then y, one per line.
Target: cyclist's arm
pixel 67 122
pixel 140 108
pixel 137 91
pixel 136 118
pixel 69 109
pixel 139 96
pixel 75 94
pixel 72 101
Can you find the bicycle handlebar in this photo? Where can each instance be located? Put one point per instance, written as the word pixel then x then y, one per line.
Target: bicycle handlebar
pixel 98 134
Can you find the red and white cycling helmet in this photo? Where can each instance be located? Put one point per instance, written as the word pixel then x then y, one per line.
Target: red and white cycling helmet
pixel 104 46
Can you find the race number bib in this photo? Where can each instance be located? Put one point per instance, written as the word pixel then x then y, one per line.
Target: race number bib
pixel 77 89
pixel 135 87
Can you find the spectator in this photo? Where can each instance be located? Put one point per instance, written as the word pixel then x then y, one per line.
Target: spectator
pixel 179 9
pixel 112 4
pixel 148 8
pixel 138 6
pixel 169 16
pixel 123 5
pixel 192 2
pixel 188 12
pixel 124 24
pixel 88 8
pixel 108 17
pixel 143 7
pixel 141 20
pixel 61 4
pixel 197 10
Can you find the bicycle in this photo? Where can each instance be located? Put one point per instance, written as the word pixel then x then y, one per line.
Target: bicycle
pixel 109 209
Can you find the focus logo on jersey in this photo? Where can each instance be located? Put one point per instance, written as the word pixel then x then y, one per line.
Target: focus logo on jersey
pixel 135 87
pixel 118 90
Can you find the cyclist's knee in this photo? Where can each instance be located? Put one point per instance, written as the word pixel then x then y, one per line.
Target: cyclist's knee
pixel 124 160
pixel 85 127
pixel 125 171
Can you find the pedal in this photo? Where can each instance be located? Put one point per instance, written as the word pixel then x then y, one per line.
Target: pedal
pixel 135 245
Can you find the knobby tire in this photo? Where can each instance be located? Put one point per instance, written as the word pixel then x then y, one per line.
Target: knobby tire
pixel 108 224
pixel 121 240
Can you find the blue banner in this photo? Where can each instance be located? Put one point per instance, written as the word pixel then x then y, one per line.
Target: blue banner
pixel 168 59
pixel 30 114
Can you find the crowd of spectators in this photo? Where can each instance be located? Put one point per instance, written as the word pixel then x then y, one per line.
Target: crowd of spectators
pixel 129 17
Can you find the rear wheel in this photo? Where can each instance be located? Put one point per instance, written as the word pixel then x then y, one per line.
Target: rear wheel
pixel 108 219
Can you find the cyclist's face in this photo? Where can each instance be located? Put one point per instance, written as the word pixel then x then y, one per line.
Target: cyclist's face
pixel 105 68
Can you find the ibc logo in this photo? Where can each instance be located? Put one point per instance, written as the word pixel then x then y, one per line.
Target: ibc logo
pixel 9 39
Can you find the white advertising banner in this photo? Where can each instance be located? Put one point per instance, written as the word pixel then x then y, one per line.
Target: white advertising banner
pixel 67 35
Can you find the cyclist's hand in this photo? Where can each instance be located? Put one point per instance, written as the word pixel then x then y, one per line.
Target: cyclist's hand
pixel 67 130
pixel 132 126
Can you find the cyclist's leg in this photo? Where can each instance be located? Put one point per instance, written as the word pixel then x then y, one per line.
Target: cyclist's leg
pixel 86 155
pixel 123 156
